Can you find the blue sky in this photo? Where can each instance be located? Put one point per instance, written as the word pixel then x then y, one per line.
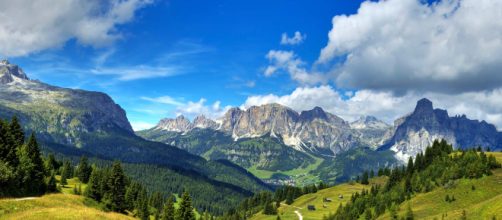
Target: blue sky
pixel 165 57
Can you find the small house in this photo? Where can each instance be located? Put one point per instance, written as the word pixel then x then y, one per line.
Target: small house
pixel 340 196
pixel 311 207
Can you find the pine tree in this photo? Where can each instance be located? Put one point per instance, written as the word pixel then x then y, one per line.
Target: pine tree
pixel 185 211
pixel 83 170
pixel 364 179
pixel 63 181
pixel 93 189
pixel 142 205
pixel 8 145
pixel 115 189
pixel 368 215
pixel 16 131
pixel 31 168
pixel 168 211
pixel 51 183
pixel 67 170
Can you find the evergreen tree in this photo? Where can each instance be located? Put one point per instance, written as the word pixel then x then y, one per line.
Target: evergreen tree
pixel 31 168
pixel 269 209
pixel 93 189
pixel 16 131
pixel 185 211
pixel 364 179
pixel 142 205
pixel 83 171
pixel 168 211
pixel 8 145
pixel 115 189
pixel 51 164
pixel 51 183
pixel 67 170
pixel 63 181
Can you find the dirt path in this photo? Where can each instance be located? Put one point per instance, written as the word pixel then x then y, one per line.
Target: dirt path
pixel 300 216
pixel 25 198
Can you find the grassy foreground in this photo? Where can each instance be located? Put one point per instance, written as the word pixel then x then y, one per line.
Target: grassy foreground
pixel 63 205
pixel 483 201
pixel 53 206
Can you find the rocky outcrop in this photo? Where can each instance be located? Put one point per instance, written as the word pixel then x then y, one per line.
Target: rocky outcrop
pixel 62 115
pixel 414 132
pixel 314 130
pixel 371 130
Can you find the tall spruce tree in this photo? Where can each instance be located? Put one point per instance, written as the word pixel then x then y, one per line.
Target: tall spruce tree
pixel 83 171
pixel 51 183
pixel 93 189
pixel 185 211
pixel 31 168
pixel 168 211
pixel 142 205
pixel 115 189
pixel 16 131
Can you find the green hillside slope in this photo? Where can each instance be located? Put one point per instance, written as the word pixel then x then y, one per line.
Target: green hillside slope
pixel 479 198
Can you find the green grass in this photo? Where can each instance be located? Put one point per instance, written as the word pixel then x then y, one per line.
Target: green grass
pixel 302 176
pixel 53 206
pixel 317 199
pixel 482 203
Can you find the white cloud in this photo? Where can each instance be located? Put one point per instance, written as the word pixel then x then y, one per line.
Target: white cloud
pixel 30 26
pixel 450 46
pixel 191 109
pixel 386 105
pixel 140 125
pixel 137 72
pixel 297 38
pixel 289 62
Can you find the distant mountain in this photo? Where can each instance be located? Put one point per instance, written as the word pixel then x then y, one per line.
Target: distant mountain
pixel 275 138
pixel 413 133
pixel 314 131
pixel 372 131
pixel 75 122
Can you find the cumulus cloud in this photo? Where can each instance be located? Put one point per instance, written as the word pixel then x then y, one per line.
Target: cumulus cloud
pixel 297 38
pixel 450 46
pixel 30 26
pixel 191 109
pixel 287 61
pixel 386 105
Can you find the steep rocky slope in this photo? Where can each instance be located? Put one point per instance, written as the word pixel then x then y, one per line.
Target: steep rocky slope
pixel 77 122
pixel 413 133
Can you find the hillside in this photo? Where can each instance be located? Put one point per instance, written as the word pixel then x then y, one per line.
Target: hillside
pixel 63 205
pixel 484 202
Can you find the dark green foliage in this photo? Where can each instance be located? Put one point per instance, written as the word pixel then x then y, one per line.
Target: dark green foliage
pixel 94 187
pixel 31 168
pixel 51 183
pixel 269 208
pixel 67 170
pixel 142 205
pixel 436 167
pixel 185 211
pixel 84 170
pixel 365 178
pixel 168 211
pixel 22 170
pixel 114 194
pixel 409 213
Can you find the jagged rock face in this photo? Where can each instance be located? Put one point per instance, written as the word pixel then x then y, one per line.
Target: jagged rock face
pixel 202 122
pixel 413 133
pixel 179 124
pixel 182 124
pixel 314 130
pixel 9 72
pixel 64 115
pixel 371 130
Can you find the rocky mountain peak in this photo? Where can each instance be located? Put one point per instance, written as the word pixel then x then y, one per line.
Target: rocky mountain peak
pixel 316 112
pixel 201 121
pixel 9 72
pixel 423 106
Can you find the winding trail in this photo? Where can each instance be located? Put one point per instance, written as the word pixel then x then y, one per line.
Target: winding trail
pixel 300 216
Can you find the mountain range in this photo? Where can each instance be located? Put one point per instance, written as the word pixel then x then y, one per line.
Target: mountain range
pixel 271 141
pixel 320 133
pixel 73 122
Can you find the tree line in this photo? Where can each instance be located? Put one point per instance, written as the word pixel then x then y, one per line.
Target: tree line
pixel 438 166
pixel 268 202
